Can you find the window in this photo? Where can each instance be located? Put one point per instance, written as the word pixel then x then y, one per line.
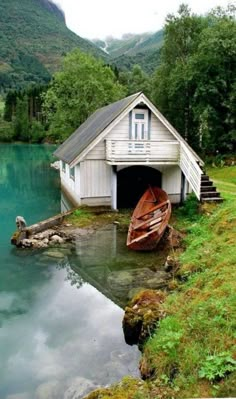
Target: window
pixel 72 173
pixel 139 124
pixel 63 166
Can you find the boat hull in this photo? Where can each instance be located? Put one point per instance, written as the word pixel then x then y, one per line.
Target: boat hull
pixel 149 220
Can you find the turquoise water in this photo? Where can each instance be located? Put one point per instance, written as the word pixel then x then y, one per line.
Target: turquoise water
pixel 57 339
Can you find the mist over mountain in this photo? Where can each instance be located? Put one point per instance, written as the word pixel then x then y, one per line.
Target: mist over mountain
pixel 131 49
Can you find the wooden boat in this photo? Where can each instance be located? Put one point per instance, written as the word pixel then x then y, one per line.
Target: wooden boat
pixel 149 220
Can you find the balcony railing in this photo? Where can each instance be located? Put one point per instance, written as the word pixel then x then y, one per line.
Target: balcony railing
pixel 142 151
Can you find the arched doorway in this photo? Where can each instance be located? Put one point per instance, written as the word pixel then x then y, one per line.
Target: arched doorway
pixel 132 182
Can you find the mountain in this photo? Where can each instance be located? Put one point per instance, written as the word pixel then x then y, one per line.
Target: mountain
pixel 131 49
pixel 33 39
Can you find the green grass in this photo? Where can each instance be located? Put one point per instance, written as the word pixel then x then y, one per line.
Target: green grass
pixel 193 351
pixel 195 346
pixel 87 217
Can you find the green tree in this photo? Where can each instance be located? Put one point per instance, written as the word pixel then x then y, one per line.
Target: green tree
pixel 83 85
pixel 195 84
pixel 21 120
pixel 213 69
pixel 172 88
pixel 136 80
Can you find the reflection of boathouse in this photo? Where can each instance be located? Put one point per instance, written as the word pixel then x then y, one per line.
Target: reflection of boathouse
pixel 103 260
pixel 121 149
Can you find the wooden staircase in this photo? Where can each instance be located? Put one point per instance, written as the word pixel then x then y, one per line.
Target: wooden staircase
pixel 208 192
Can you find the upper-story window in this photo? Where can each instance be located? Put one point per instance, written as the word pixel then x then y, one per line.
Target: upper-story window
pixel 63 166
pixel 139 124
pixel 72 173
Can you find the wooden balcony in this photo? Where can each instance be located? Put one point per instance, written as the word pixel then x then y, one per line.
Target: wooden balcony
pixel 129 151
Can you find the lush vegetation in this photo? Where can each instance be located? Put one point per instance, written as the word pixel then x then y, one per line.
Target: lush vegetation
pixel 194 85
pixel 33 40
pixel 193 351
pixel 21 117
pixel 84 85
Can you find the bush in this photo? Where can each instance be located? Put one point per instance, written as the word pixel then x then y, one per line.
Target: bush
pixel 6 132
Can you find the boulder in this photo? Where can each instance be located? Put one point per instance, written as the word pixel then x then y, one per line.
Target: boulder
pixel 56 239
pixel 141 316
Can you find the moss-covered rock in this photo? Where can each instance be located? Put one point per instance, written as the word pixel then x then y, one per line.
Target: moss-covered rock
pixel 141 316
pixel 128 388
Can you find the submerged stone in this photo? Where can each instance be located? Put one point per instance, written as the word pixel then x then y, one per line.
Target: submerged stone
pixel 78 387
pixel 126 282
pixel 54 254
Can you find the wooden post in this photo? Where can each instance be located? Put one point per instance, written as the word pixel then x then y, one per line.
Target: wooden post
pixel 183 188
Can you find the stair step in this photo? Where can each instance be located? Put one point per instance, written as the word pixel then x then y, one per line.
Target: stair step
pixel 210 194
pixel 212 199
pixel 204 177
pixel 206 183
pixel 207 188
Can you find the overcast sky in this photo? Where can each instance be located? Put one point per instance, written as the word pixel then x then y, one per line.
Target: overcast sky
pixel 98 19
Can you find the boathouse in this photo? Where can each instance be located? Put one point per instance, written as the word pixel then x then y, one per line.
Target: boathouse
pixel 121 149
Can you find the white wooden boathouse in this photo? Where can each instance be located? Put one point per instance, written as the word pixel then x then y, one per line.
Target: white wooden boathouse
pixel 121 149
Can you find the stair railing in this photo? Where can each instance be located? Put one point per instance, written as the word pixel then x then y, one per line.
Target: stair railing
pixel 191 169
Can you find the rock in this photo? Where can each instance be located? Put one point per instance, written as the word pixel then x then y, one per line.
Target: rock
pixel 142 315
pixel 45 234
pixel 174 237
pixel 56 239
pixel 78 388
pixel 121 282
pixel 26 243
pixel 171 264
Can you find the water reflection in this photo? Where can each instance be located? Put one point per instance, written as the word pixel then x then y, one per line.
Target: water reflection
pixel 59 336
pixel 103 260
pixel 63 334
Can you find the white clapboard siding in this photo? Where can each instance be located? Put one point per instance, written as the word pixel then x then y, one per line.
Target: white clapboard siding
pixel 98 152
pixel 158 131
pixel 120 131
pixel 171 180
pixel 95 179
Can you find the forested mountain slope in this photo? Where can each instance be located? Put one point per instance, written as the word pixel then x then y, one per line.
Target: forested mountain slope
pixel 131 49
pixel 33 38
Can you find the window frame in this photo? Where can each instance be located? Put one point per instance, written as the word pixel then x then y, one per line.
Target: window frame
pixel 72 173
pixel 139 128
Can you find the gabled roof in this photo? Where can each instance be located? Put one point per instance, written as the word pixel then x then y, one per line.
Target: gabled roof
pixel 102 121
pixel 91 129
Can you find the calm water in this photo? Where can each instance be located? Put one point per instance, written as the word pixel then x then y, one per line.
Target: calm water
pixel 59 335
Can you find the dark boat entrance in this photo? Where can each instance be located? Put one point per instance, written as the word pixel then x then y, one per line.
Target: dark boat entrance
pixel 132 182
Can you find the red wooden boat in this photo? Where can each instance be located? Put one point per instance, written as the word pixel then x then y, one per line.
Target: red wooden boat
pixel 149 220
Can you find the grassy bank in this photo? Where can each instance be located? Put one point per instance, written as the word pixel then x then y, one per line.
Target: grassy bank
pixel 193 351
